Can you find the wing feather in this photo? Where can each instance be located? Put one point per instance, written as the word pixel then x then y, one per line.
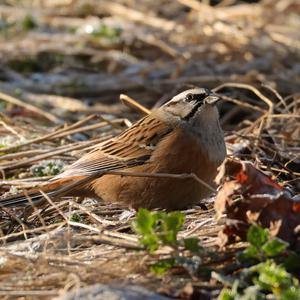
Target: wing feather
pixel 132 147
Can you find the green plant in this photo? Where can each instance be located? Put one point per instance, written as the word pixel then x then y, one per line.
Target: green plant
pixel 28 23
pixel 268 277
pixel 274 278
pixel 261 246
pixel 47 168
pixel 157 229
pixel 11 27
pixel 104 31
pixel 75 217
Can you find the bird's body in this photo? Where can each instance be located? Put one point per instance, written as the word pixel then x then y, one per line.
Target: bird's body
pixel 182 136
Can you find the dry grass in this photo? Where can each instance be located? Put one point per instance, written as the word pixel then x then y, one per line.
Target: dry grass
pixel 60 83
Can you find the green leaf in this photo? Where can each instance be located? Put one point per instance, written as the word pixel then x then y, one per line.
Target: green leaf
pixel 170 225
pixel 292 262
pixel 162 266
pixel 105 31
pixel 144 225
pixel 291 293
pixel 251 293
pixel 47 168
pixel 249 255
pixel 76 218
pixel 144 221
pixel 174 220
pixel 273 277
pixel 232 294
pixel 150 241
pixel 257 236
pixel 192 244
pixel 156 227
pixel 274 247
pixel 28 23
pixel 226 294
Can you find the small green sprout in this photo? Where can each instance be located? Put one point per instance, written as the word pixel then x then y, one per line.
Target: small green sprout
pixel 47 168
pixel 28 23
pixel 107 32
pixel 75 217
pixel 158 229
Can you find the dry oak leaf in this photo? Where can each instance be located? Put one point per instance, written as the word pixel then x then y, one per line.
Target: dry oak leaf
pixel 248 195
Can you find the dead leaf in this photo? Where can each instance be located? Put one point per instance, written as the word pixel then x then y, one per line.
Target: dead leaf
pixel 249 196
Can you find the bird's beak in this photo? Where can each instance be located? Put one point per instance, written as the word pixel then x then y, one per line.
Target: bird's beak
pixel 212 99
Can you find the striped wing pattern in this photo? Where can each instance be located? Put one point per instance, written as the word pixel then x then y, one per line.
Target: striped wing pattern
pixel 132 147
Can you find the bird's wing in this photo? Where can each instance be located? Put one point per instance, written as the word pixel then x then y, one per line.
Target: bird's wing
pixel 132 147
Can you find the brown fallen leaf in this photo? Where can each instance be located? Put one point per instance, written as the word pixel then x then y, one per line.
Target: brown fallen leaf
pixel 249 196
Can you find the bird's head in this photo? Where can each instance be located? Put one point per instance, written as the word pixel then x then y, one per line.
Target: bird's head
pixel 192 104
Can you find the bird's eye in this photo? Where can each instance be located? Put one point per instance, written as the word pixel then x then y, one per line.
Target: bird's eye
pixel 189 97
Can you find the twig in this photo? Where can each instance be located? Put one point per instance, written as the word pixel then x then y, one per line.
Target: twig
pixel 100 238
pixel 30 107
pixel 12 130
pixel 197 226
pixel 137 16
pixel 248 87
pixel 28 231
pixel 64 190
pixel 90 127
pixel 48 136
pixel 92 215
pixel 133 103
pixel 279 97
pixel 49 153
pixel 243 104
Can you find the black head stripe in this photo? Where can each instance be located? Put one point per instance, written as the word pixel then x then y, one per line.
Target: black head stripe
pixel 193 111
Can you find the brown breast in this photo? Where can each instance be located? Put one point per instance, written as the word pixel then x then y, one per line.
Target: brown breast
pixel 176 154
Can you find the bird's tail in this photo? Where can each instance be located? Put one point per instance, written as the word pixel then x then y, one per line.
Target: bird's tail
pixel 58 188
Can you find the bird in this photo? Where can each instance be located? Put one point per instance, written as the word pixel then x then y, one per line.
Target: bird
pixel 183 136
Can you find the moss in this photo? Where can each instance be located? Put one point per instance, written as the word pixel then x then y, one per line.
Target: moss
pixel 28 23
pixel 104 31
pixel 47 168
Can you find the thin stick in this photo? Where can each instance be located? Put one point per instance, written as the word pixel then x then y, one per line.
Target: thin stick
pixel 54 205
pixel 90 214
pixel 48 154
pixel 101 238
pixel 91 127
pixel 133 103
pixel 279 97
pixel 22 154
pixel 248 87
pixel 35 210
pixel 17 219
pixel 64 190
pixel 48 136
pixel 30 107
pixel 243 104
pixel 12 130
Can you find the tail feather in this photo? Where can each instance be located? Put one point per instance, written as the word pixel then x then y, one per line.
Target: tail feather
pixel 22 199
pixel 70 184
pixel 51 189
